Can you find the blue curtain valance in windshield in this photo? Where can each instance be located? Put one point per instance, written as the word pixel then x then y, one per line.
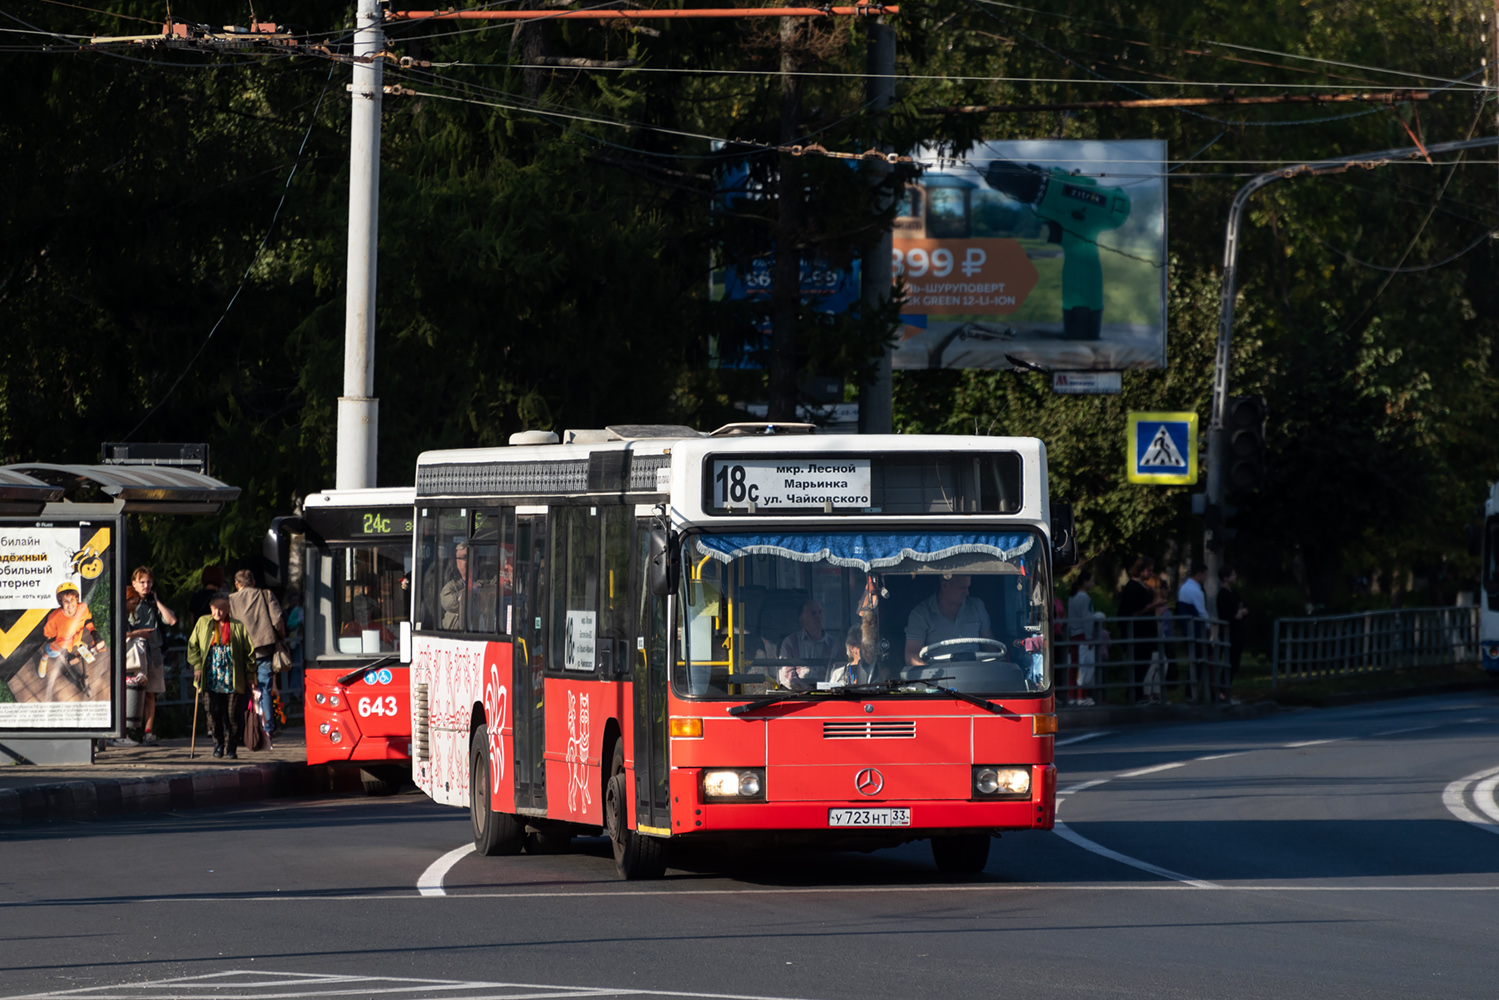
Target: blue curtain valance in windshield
pixel 866 551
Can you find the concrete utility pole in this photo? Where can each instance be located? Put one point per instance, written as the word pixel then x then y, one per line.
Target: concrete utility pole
pixel 876 412
pixel 358 410
pixel 1217 445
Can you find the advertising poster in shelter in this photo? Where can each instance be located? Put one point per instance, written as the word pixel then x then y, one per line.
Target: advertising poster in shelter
pixel 57 604
pixel 1051 251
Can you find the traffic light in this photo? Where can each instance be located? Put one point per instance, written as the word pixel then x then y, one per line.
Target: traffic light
pixel 1244 431
pixel 1214 517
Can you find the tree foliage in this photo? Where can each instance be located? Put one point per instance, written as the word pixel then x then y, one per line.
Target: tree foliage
pixel 547 227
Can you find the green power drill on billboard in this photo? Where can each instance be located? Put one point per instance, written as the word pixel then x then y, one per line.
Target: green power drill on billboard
pixel 1076 210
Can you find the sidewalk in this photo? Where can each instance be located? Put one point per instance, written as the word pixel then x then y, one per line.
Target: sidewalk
pixel 162 778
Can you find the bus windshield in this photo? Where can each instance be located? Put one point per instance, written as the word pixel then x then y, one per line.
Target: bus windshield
pixel 820 613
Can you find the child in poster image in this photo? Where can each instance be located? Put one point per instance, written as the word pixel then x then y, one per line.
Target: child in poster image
pixel 71 641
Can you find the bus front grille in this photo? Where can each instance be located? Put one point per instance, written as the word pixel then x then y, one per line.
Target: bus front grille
pixel 869 729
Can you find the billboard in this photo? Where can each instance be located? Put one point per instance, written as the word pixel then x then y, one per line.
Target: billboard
pixel 1053 251
pixel 58 604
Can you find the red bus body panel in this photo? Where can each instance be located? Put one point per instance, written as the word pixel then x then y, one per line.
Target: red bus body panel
pixel 369 730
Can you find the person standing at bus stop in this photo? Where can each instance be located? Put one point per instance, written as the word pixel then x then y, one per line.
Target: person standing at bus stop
pixel 1192 609
pixel 260 613
pixel 220 653
pixel 1231 609
pixel 1139 601
pixel 146 619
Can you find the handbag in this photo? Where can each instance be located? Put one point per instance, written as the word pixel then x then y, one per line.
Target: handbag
pixel 136 655
pixel 255 738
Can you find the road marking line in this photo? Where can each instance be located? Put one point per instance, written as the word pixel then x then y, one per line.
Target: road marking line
pixel 430 883
pixel 1081 787
pixel 1483 797
pixel 1452 798
pixel 1222 756
pixel 1066 833
pixel 1151 770
pixel 1315 743
pixel 132 991
pixel 1408 729
pixel 1080 737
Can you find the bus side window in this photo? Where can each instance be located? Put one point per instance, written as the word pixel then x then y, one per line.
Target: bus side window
pixel 617 622
pixel 453 569
pixel 575 588
pixel 485 571
pixel 426 616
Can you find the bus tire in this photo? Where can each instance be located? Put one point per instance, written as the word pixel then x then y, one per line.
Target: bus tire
pixel 963 854
pixel 494 832
pixel 636 856
pixel 382 779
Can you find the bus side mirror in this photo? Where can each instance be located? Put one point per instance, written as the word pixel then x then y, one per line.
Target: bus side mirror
pixel 662 575
pixel 1063 536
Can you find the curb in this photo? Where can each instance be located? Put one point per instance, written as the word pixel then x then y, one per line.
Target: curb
pixel 98 798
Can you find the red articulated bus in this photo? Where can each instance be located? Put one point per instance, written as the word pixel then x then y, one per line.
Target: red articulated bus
pixel 757 635
pixel 356 569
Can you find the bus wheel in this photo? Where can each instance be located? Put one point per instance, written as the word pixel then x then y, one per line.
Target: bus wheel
pixel 494 833
pixel 636 856
pixel 382 779
pixel 965 854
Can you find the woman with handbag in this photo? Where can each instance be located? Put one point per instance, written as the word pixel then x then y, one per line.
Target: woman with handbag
pixel 220 652
pixel 261 614
pixel 146 619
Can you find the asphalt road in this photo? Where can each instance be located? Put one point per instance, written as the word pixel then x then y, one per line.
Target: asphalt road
pixel 1336 853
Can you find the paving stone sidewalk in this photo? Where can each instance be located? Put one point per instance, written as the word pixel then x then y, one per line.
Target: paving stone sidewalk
pixel 162 778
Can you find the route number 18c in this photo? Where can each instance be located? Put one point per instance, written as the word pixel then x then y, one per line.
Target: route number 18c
pixel 732 487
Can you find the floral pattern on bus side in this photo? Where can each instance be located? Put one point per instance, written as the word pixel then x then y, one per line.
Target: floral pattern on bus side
pixel 453 670
pixel 496 700
pixel 577 752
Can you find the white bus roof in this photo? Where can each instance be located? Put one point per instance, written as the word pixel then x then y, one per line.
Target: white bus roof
pixel 380 496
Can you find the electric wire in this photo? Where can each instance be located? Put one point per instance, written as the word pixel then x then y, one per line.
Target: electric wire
pixel 1413 268
pixel 1226 45
pixel 245 278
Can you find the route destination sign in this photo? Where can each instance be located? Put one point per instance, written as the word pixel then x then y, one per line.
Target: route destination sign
pixel 796 484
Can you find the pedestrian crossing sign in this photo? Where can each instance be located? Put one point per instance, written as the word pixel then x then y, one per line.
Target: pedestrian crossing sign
pixel 1162 448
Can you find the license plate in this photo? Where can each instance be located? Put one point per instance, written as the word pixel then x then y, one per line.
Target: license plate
pixel 869 817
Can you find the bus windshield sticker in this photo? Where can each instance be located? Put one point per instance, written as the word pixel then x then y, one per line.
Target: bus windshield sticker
pixel 789 484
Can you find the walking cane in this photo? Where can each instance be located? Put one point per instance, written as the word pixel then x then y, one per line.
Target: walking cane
pixel 192 748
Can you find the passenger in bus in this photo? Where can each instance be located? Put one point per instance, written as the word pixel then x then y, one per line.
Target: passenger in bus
pixel 853 670
pixel 810 644
pixel 950 613
pixel 454 585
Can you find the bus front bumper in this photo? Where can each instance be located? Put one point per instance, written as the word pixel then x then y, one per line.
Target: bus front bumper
pixel 692 813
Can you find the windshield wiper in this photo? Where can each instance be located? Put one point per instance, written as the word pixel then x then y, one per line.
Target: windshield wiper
pixel 895 682
pixel 769 699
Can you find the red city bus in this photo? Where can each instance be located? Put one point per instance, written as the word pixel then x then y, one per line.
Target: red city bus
pixel 736 638
pixel 356 568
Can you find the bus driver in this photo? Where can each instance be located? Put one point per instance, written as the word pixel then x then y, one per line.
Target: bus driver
pixel 948 614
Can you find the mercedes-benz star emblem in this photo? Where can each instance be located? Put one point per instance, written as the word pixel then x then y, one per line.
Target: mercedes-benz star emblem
pixel 869 781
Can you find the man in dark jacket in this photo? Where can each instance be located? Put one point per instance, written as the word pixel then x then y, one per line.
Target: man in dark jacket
pixel 260 612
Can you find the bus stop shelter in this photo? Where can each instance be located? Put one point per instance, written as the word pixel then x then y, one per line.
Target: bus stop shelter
pixel 62 596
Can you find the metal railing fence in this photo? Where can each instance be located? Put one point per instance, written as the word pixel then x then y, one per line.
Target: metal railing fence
pixel 1373 641
pixel 1142 660
pixel 179 682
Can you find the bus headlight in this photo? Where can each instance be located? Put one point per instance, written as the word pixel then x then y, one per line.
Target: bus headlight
pixel 742 784
pixel 991 781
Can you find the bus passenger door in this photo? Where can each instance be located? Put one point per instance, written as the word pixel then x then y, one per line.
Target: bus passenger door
pixel 530 630
pixel 652 766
